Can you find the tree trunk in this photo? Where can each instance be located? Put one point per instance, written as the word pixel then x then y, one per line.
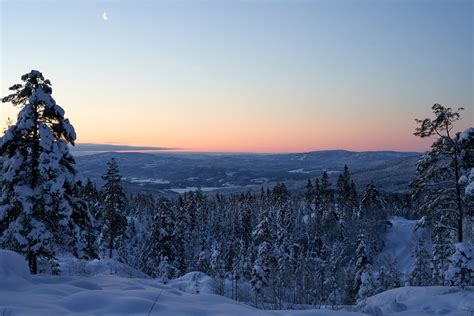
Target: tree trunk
pixel 111 247
pixel 458 198
pixel 458 187
pixel 32 262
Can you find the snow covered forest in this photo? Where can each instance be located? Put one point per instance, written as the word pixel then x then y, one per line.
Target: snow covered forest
pixel 325 246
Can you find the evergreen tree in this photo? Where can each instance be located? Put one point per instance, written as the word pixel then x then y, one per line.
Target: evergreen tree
pixel 466 141
pixel 181 236
pixel 261 272
pixel 438 182
pixel 372 205
pixel 461 266
pixel 91 196
pixel 114 221
pixel 345 197
pixel 309 197
pixel 93 203
pixel 367 285
pixel 329 216
pixel 246 219
pixel 372 218
pixel 442 250
pixel 327 197
pixel 40 211
pixel 392 278
pixel 362 263
pixel 130 251
pixel 160 244
pixel 420 275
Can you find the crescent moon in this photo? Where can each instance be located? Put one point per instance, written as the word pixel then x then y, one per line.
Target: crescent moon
pixel 104 16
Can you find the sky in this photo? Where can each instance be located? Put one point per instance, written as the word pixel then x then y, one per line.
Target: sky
pixel 245 76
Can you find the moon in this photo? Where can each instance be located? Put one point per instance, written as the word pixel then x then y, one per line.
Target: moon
pixel 104 16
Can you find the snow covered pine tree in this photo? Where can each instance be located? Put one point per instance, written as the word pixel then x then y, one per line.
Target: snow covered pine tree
pixel 114 222
pixel 40 212
pixel 441 187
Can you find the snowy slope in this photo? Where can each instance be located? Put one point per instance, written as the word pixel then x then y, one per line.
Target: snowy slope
pixel 419 301
pixel 194 282
pixel 400 242
pixel 23 294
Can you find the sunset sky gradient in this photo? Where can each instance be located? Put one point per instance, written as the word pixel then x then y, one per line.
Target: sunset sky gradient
pixel 245 76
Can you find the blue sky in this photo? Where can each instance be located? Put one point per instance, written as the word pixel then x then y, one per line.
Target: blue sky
pixel 245 75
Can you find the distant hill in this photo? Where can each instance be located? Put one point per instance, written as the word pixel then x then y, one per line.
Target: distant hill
pixel 172 173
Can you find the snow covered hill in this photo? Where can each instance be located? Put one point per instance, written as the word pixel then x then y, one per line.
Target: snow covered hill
pixel 24 294
pixel 102 294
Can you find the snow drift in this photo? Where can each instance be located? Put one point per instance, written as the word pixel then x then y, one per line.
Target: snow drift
pixel 100 294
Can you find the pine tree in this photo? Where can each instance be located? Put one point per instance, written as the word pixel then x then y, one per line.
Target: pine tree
pixel 130 251
pixel 367 285
pixel 40 211
pixel 91 196
pixel 261 272
pixel 309 198
pixel 461 266
pixel 362 263
pixel 114 221
pixel 318 198
pixel 372 205
pixel 466 141
pixel 330 285
pixel 217 263
pixel 345 196
pixel 160 244
pixel 438 185
pixel 421 273
pixel 327 197
pixel 442 250
pixel 246 219
pixel 392 276
pixel 93 203
pixel 329 216
pixel 372 218
pixel 181 236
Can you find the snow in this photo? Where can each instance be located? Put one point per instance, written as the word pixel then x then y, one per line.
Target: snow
pixel 188 189
pixel 14 271
pixel 97 292
pixel 71 266
pixel 469 191
pixel 466 134
pixel 194 283
pixel 461 266
pixel 146 181
pixel 260 180
pixel 112 295
pixel 418 301
pixel 300 170
pixel 400 243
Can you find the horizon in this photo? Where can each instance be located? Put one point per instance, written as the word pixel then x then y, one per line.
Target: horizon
pixel 109 148
pixel 246 77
